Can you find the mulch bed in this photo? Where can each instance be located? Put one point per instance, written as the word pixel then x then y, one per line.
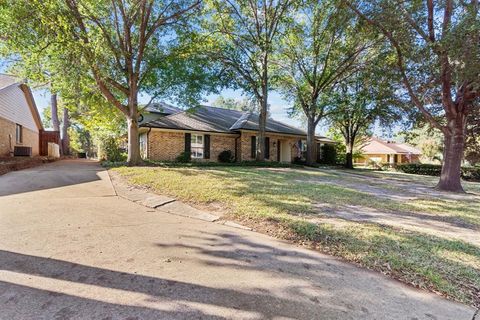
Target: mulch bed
pixel 18 163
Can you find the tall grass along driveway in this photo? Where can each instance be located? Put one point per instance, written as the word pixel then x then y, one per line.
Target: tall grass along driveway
pixel 395 224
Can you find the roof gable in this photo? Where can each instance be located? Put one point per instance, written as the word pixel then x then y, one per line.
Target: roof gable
pixel 18 105
pixel 7 80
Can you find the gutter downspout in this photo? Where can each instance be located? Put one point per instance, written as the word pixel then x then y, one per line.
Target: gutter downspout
pixel 236 148
pixel 148 142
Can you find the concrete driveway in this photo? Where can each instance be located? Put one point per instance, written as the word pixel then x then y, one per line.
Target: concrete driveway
pixel 71 249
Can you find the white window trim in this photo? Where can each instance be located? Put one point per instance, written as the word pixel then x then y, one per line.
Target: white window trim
pixel 18 133
pixel 198 146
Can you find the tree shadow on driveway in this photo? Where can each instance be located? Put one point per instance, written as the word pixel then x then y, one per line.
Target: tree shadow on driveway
pixel 282 283
pixel 64 290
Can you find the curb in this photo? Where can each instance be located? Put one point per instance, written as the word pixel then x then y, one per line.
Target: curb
pixel 166 204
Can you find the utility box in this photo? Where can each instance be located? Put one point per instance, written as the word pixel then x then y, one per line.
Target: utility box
pixel 53 150
pixel 20 151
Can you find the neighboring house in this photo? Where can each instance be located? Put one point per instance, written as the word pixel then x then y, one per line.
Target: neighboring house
pixel 166 132
pixel 20 122
pixel 383 152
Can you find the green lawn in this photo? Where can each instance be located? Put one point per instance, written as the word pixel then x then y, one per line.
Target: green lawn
pixel 284 202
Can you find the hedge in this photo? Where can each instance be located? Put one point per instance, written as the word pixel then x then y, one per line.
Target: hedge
pixel 468 173
pixel 328 154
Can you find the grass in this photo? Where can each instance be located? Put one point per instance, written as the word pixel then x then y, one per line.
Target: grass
pixel 284 202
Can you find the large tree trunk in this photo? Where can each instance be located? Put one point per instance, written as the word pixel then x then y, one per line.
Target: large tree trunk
pixel 261 135
pixel 54 109
pixel 349 154
pixel 311 141
pixel 133 142
pixel 133 157
pixel 450 178
pixel 54 114
pixel 262 123
pixel 65 135
pixel 262 120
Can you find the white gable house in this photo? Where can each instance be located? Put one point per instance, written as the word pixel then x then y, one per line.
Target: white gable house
pixel 20 122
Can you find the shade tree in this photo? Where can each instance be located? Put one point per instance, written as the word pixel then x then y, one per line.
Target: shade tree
pixel 324 45
pixel 242 36
pixel 437 54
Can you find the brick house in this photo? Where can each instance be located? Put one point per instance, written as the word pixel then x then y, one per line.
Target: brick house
pixel 20 122
pixel 166 132
pixel 388 152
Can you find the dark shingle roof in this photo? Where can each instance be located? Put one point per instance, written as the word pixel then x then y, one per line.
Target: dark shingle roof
pixel 162 108
pixel 199 119
pixel 250 122
pixel 212 119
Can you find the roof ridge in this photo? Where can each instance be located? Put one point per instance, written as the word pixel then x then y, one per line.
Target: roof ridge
pixel 396 147
pixel 385 144
pixel 243 118
pixel 170 115
pixel 225 109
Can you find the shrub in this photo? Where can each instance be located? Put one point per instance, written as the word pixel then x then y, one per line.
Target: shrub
pixel 340 153
pixel 194 164
pixel 299 160
pixel 110 150
pixel 468 173
pixel 329 154
pixel 226 156
pixel 418 168
pixel 184 157
pixel 471 173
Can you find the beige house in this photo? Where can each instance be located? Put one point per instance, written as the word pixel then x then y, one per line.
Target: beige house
pixel 166 132
pixel 20 122
pixel 388 152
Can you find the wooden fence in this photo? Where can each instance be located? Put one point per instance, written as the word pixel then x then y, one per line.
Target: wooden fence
pixel 45 138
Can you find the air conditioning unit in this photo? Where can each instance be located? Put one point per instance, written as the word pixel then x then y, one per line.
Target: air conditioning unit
pixel 22 151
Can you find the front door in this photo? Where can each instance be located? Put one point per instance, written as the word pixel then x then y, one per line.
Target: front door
pixel 286 152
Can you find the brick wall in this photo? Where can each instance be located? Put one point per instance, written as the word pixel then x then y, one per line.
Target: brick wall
pixel 413 158
pixel 166 146
pixel 219 143
pixel 366 158
pixel 30 138
pixel 246 150
pixel 401 158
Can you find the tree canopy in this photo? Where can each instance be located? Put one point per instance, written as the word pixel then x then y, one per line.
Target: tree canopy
pixel 242 36
pixel 323 46
pixel 437 53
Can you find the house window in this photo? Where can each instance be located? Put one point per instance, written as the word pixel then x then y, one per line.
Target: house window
pixel 303 149
pixel 19 133
pixel 304 146
pixel 143 145
pixel 197 146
